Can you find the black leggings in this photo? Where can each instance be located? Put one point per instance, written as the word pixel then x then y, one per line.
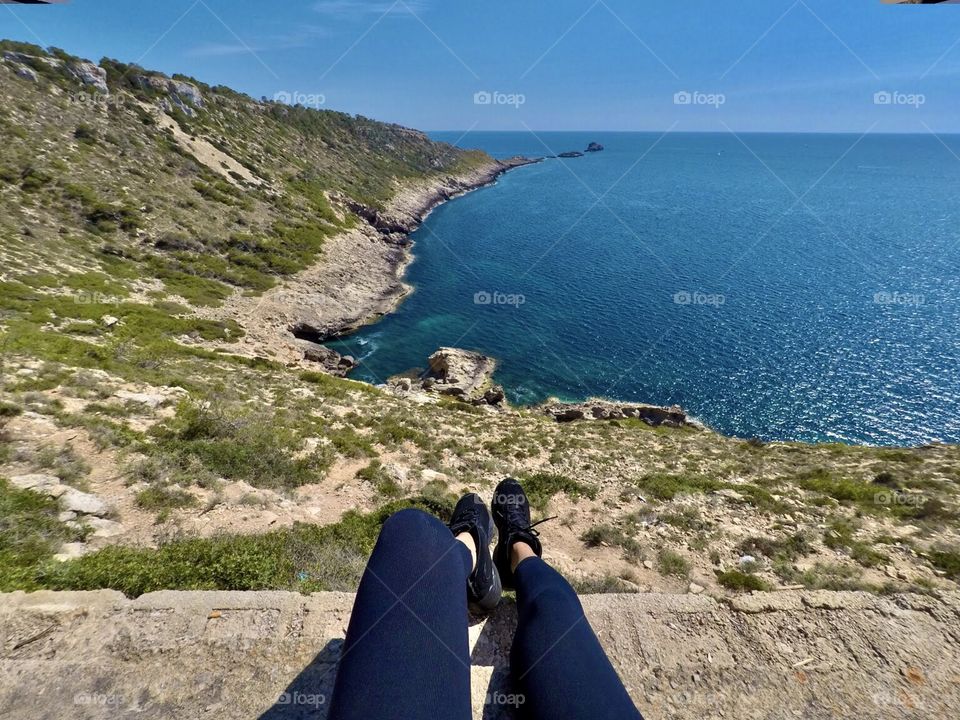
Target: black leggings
pixel 406 653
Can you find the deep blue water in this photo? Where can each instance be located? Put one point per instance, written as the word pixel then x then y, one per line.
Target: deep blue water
pixel 822 274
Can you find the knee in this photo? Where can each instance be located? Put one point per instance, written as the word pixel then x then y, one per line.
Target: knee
pixel 412 526
pixel 555 600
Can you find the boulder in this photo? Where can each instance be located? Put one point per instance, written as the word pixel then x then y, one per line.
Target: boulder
pixel 332 361
pixel 90 74
pixel 12 56
pixel 83 503
pixel 571 154
pixel 39 483
pixel 594 147
pixel 181 94
pixel 187 92
pixel 25 73
pixel 104 528
pixel 150 400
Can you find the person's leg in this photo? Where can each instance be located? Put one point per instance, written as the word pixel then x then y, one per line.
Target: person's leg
pixel 406 652
pixel 556 660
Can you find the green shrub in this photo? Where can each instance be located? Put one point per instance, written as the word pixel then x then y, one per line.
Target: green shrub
pixel 85 134
pixel 664 486
pixel 350 444
pixel 29 535
pixel 542 486
pixel 164 498
pixel 673 564
pixel 305 557
pixel 947 560
pixel 381 480
pixel 741 581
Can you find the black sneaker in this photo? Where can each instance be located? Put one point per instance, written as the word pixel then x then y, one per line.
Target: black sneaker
pixel 483 585
pixel 511 512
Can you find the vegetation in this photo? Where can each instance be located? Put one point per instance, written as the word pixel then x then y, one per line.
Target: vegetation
pixel 117 251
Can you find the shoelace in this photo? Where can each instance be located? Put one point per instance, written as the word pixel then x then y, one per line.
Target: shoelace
pixel 536 533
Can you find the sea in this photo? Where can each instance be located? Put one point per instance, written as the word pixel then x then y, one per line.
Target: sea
pixel 780 287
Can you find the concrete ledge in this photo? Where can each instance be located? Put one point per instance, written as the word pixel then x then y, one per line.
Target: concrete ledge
pixel 273 655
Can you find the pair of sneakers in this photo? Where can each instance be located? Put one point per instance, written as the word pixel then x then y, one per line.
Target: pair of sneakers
pixel 510 512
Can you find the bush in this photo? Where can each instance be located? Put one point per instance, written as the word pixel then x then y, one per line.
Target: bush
pixel 29 534
pixel 382 481
pixel 85 134
pixel 164 498
pixel 673 564
pixel 666 487
pixel 741 581
pixel 541 487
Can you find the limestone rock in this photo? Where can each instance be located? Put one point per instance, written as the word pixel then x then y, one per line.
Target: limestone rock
pixel 37 482
pixel 84 503
pixel 104 528
pixel 599 409
pixel 90 74
pixel 463 374
pixel 151 400
pixel 70 551
pixel 186 91
pixel 184 96
pixel 25 73
pixel 332 361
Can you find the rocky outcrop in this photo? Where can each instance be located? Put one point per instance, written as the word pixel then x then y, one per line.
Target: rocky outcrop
pixel 594 147
pixel 25 73
pixel 71 499
pixel 609 410
pixel 180 94
pixel 27 59
pixel 463 374
pixel 90 74
pixel 571 154
pixel 330 361
pixel 186 92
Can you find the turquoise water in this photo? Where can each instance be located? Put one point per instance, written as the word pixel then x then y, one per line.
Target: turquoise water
pixel 800 287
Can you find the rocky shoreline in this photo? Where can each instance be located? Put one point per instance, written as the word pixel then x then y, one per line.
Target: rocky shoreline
pixel 360 276
pixel 360 279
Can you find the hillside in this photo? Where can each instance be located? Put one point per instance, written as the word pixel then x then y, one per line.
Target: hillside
pixel 172 253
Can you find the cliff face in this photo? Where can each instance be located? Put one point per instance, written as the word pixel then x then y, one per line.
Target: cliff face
pixel 207 191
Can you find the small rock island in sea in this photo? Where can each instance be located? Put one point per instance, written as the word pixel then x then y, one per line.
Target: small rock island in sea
pixel 592 147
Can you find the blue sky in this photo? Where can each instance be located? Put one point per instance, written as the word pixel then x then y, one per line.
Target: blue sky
pixel 748 65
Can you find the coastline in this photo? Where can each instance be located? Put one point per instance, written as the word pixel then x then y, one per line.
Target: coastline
pixel 358 278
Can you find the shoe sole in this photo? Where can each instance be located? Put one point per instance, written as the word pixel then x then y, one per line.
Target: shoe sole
pixel 491 599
